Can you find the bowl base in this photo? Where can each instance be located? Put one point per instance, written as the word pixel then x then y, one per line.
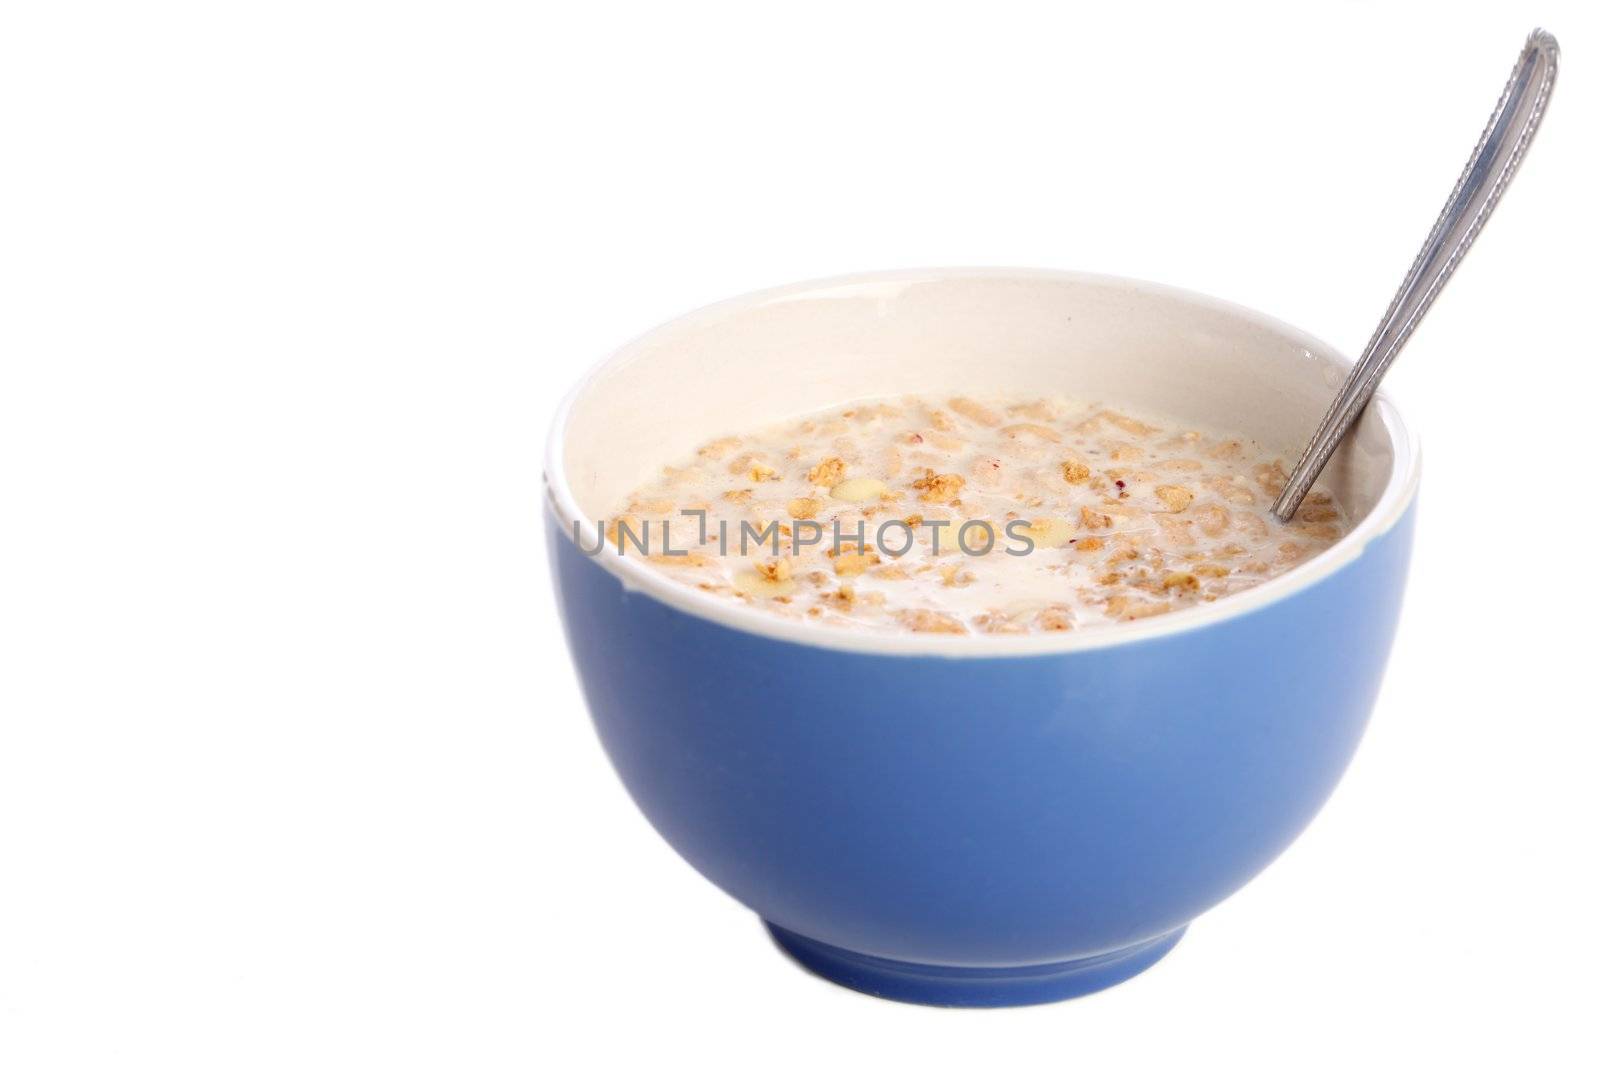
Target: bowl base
pixel 972 987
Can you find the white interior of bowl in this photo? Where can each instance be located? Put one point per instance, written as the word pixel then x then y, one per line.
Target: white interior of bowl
pixel 763 358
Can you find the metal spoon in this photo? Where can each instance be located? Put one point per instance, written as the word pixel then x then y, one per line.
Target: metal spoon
pixel 1489 171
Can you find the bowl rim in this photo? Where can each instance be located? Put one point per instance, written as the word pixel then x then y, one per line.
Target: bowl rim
pixel 639 577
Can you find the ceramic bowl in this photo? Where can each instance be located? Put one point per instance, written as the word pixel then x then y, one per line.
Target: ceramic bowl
pixel 976 820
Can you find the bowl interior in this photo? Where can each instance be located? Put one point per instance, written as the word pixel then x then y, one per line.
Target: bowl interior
pixel 764 358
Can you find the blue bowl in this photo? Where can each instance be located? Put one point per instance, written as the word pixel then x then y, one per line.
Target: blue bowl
pixel 983 820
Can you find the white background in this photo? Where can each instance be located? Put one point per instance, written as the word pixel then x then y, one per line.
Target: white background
pixel 292 765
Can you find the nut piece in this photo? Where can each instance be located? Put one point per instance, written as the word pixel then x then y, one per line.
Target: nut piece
pixel 939 488
pixel 1178 531
pixel 828 473
pixel 1074 472
pixel 851 561
pixel 1049 532
pixel 841 599
pixel 688 559
pixel 975 411
pixel 720 447
pixel 760 472
pixel 1127 609
pixel 1212 519
pixel 1090 519
pixel 752 583
pixel 1182 581
pixel 1042 410
pixel 803 507
pixel 1031 429
pixel 993 622
pixel 923 621
pixel 1174 497
pixel 1270 476
pixel 952 574
pixel 635 529
pixel 775 570
pixel 1127 424
pixel 1055 618
pixel 857 490
pixel 1231 491
pixel 1253 525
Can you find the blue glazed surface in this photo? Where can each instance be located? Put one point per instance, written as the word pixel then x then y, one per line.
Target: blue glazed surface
pixel 984 812
pixel 973 987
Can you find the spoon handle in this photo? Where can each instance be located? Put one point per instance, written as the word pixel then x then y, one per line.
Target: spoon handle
pixel 1477 191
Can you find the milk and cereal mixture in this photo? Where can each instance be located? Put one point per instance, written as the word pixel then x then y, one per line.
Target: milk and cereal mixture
pixel 960 516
